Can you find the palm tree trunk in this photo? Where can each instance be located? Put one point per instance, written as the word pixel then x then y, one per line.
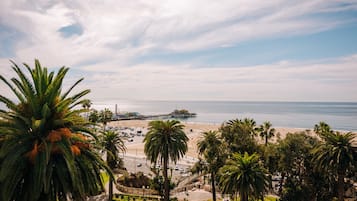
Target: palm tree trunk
pixel 166 180
pixel 244 196
pixel 213 186
pixel 266 140
pixel 109 161
pixel 110 189
pixel 104 125
pixel 281 183
pixel 340 185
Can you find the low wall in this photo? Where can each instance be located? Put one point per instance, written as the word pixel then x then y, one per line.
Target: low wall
pixel 138 191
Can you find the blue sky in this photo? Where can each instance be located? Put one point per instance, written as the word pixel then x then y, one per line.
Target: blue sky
pixel 277 50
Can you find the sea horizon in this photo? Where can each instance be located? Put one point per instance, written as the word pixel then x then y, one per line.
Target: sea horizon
pixel 340 115
pixel 294 114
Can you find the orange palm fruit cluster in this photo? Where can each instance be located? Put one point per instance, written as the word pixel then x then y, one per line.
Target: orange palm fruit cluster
pixel 82 142
pixel 56 135
pixel 65 132
pixel 75 150
pixel 33 153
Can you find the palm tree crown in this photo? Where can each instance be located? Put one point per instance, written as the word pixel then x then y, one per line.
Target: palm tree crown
pixel 112 144
pixel 86 104
pixel 166 141
pixel 44 153
pixel 321 128
pixel 266 131
pixel 244 174
pixel 105 116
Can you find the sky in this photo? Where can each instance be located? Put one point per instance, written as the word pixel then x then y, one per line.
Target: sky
pixel 236 50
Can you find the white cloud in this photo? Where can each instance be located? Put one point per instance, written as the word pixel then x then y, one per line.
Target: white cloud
pixel 316 81
pixel 116 32
pixel 125 29
pixel 332 80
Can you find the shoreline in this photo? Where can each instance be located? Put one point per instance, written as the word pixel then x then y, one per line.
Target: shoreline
pixel 193 130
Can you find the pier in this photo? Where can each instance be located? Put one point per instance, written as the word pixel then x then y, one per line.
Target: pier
pixel 151 117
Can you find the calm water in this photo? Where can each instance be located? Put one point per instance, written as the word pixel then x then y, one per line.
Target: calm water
pixel 340 116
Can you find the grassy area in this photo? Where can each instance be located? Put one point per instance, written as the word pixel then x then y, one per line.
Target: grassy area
pixel 105 177
pixel 267 198
pixel 270 198
pixel 129 197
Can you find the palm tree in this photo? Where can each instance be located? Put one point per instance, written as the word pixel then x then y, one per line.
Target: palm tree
pixel 211 149
pixel 249 125
pixel 322 128
pixel 266 131
pixel 93 116
pixel 336 154
pixel 86 104
pixel 105 116
pixel 244 174
pixel 166 141
pixel 200 167
pixel 112 144
pixel 45 153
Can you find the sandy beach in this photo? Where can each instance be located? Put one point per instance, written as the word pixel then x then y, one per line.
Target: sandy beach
pixel 193 131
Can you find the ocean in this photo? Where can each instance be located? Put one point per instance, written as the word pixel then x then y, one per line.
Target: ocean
pixel 339 115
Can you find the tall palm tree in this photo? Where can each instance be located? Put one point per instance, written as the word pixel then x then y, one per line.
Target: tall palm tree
pixel 45 153
pixel 93 116
pixel 266 131
pixel 166 141
pixel 105 116
pixel 211 149
pixel 336 154
pixel 244 174
pixel 112 144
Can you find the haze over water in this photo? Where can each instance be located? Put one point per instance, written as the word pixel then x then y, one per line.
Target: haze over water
pixel 339 115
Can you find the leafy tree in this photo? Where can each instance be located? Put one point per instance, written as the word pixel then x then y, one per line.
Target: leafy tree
pixel 239 135
pixel 301 181
pixel 112 144
pixel 244 174
pixel 336 155
pixel 271 157
pixel 211 147
pixel 166 141
pixel 45 153
pixel 266 131
pixel 294 191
